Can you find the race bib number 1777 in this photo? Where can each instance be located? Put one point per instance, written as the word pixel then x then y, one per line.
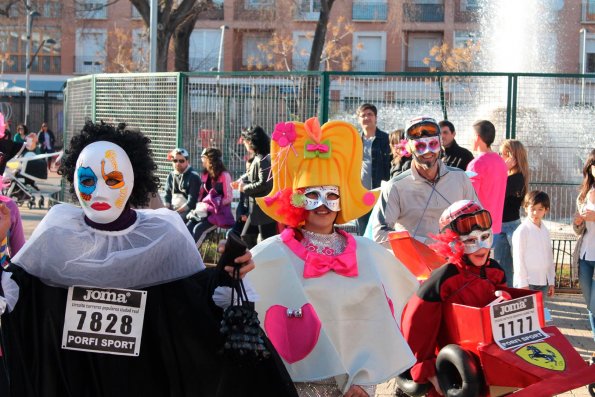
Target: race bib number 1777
pixel 104 320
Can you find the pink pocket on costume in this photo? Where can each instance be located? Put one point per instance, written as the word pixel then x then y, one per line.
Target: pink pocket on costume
pixel 293 337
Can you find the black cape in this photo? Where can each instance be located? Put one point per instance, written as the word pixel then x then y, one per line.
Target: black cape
pixel 178 354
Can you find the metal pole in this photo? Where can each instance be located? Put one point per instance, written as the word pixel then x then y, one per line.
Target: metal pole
pixel 153 36
pixel 583 33
pixel 220 59
pixel 27 59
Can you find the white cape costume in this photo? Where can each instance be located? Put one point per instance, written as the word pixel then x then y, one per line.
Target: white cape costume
pixel 347 329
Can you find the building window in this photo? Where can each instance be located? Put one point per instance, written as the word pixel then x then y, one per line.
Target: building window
pixel 13 44
pixel 307 10
pixel 424 11
pixel 369 10
pixel 134 13
pixel 51 9
pixel 91 9
pixel 204 49
pixel 469 5
pixel 252 56
pixel 463 37
pixel 369 51
pixel 590 54
pixel 302 45
pixel 140 49
pixel 418 49
pixel 588 11
pixel 259 4
pixel 90 51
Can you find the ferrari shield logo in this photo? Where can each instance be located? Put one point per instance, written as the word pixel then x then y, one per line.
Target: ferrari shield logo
pixel 543 355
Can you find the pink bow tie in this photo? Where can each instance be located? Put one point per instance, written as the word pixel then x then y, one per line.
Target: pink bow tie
pixel 317 265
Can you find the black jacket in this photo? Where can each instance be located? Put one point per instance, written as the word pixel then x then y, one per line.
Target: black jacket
pixel 381 158
pixel 41 140
pixel 457 156
pixel 189 187
pixel 260 185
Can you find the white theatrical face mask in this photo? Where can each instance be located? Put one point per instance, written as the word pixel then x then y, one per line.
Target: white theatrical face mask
pixel 476 240
pixel 322 195
pixel 103 181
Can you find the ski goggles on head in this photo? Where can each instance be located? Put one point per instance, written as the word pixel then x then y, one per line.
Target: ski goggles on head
pixel 477 240
pixel 322 195
pixel 465 224
pixel 425 145
pixel 423 128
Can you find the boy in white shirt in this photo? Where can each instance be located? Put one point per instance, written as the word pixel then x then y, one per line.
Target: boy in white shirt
pixel 533 261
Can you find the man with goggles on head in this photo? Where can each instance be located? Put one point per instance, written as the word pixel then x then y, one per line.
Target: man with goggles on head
pixel 469 278
pixel 182 184
pixel 414 199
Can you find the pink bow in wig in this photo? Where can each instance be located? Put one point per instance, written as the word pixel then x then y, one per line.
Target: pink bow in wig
pixel 317 147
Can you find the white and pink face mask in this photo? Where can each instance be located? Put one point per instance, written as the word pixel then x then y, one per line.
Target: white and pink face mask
pixel 103 181
pixel 315 196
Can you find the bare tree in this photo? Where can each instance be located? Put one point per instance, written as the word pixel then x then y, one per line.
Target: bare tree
pixel 182 35
pixel 6 5
pixel 320 34
pixel 171 16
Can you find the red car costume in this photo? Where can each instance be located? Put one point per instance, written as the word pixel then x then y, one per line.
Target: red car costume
pixel 452 283
pixel 465 233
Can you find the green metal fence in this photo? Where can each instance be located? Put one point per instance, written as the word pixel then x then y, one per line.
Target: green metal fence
pixel 551 114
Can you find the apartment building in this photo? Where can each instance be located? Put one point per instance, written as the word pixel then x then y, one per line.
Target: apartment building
pixel 93 36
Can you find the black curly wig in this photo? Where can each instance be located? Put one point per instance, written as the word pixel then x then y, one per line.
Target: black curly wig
pixel 134 143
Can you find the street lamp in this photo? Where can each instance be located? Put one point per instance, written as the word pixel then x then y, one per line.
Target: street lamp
pixel 30 15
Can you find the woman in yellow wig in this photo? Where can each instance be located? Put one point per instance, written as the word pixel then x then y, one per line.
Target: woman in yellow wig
pixel 330 302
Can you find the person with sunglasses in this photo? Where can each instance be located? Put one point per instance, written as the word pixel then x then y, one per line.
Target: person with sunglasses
pixel 469 278
pixel 182 184
pixel 414 200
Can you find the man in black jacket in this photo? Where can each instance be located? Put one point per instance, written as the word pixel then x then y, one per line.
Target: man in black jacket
pixel 182 184
pixel 454 155
pixel 377 154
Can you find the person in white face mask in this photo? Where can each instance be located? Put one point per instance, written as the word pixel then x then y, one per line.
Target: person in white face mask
pixel 104 300
pixel 325 295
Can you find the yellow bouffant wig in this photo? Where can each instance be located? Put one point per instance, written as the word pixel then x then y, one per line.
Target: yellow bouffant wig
pixel 306 154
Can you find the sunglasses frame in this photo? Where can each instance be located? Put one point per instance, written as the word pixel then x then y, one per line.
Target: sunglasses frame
pixel 181 161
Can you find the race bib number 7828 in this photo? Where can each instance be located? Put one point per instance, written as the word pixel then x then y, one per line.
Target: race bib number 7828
pixel 104 320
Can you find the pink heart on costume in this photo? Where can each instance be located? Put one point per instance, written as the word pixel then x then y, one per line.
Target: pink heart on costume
pixel 293 337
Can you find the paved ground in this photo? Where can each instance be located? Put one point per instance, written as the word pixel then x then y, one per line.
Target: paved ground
pixel 568 310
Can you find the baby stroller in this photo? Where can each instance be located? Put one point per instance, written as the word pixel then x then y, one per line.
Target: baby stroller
pixel 21 175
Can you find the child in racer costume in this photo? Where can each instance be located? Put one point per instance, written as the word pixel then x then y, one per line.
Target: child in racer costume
pixel 470 278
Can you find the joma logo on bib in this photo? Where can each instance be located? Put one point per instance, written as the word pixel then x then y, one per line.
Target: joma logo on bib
pixel 513 307
pixel 106 296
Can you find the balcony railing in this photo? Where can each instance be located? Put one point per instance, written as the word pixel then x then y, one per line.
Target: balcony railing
pixel 415 65
pixel 202 64
pixel 423 12
pixel 89 64
pixel 254 10
pixel 51 64
pixel 369 10
pixel 378 65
